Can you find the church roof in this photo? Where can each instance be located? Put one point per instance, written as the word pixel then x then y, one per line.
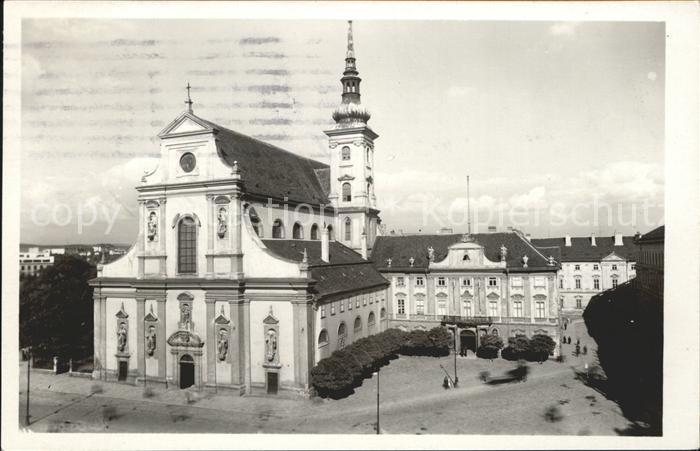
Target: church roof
pixel 346 272
pixel 271 171
pixel 581 249
pixel 401 248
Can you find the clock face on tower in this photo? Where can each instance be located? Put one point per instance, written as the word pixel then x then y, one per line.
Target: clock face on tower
pixel 187 162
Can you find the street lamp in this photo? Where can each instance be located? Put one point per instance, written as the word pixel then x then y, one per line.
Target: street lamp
pixel 377 374
pixel 28 352
pixel 455 350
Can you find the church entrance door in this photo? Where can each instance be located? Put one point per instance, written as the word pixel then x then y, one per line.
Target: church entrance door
pixel 272 383
pixel 123 368
pixel 186 371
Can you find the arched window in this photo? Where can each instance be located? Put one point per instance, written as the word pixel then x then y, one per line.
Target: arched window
pixel 370 319
pixel 297 231
pixel 369 188
pixel 255 221
pixel 342 334
pixel 323 338
pixel 358 327
pixel 348 229
pixel 277 229
pixel 314 232
pixel 345 153
pixel 331 233
pixel 347 192
pixel 187 246
pixel 382 313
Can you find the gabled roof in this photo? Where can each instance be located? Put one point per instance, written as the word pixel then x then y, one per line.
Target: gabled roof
pixel 401 248
pixel 346 271
pixel 266 170
pixel 655 236
pixel 582 251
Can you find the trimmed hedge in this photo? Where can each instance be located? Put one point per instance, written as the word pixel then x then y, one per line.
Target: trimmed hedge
pixel 490 345
pixel 338 375
pixel 535 349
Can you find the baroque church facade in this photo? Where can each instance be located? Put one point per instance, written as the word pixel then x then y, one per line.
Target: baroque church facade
pixel 250 262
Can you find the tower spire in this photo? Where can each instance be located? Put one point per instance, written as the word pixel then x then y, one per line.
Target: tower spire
pixel 350 112
pixel 189 102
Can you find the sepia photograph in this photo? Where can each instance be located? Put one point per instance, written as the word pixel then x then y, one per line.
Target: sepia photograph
pixel 340 223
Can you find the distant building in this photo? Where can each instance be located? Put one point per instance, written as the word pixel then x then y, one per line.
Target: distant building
pixel 590 265
pixel 650 265
pixel 489 283
pixel 56 250
pixel 33 261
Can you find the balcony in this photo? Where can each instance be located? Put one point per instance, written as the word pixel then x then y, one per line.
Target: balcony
pixel 467 321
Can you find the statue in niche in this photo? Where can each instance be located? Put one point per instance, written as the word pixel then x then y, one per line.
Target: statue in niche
pixel 121 338
pixel 222 227
pixel 270 345
pixel 222 345
pixel 152 226
pixel 151 341
pixel 185 314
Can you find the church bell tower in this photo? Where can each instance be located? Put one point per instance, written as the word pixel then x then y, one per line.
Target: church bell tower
pixel 351 143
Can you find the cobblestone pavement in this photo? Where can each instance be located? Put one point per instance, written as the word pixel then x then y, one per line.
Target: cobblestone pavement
pixel 412 400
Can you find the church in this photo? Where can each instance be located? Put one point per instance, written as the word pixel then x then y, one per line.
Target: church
pixel 250 263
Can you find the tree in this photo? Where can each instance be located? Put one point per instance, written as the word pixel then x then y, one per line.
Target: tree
pixel 490 345
pixel 417 343
pixel 56 310
pixel 517 348
pixel 541 346
pixel 330 378
pixel 441 341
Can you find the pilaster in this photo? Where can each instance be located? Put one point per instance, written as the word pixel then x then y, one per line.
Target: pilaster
pixel 162 232
pixel 140 335
pixel 210 237
pixel 211 341
pixel 161 339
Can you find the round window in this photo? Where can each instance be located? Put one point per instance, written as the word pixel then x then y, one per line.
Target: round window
pixel 187 162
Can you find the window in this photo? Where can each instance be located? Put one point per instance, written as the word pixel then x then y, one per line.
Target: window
pixel 493 282
pixel 539 309
pixel 595 267
pixel 348 229
pixel 442 306
pixel 371 298
pixel 578 303
pixel 323 338
pixel 614 267
pixel 517 282
pixel 420 305
pixel 331 233
pixel 187 246
pixel 518 309
pixel 342 306
pixel 382 313
pixel 323 311
pixel 297 231
pixel 420 281
pixel 633 267
pixel 345 153
pixel 401 310
pixel 314 232
pixel 614 283
pixel 596 284
pixel 561 283
pixel 400 282
pixel 342 333
pixel 467 308
pixel 333 308
pixel 349 304
pixel 277 229
pixel 357 302
pixel 347 192
pixel 493 308
pixel 577 267
pixel 364 300
pixel 358 327
pixel 442 282
pixel 466 282
pixel 578 283
pixel 370 319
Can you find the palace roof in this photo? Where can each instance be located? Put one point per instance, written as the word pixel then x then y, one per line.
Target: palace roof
pixel 581 249
pixel 346 271
pixel 401 248
pixel 271 171
pixel 655 236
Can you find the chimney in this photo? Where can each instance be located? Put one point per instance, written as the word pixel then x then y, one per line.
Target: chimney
pixel 528 236
pixel 618 239
pixel 567 240
pixel 363 244
pixel 492 229
pixel 324 245
pixel 593 239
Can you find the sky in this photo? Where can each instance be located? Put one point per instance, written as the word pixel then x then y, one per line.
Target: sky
pixel 559 125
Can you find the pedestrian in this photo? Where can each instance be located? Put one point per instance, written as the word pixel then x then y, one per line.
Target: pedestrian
pixel 585 349
pixel 578 349
pixel 446 383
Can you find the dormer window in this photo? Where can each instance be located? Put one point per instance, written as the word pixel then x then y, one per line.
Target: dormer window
pixel 345 153
pixel 465 258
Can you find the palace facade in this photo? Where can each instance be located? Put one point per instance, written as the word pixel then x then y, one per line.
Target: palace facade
pixel 250 262
pixel 486 283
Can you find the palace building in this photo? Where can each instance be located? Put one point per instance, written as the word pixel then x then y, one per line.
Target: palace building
pixel 486 283
pixel 250 262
